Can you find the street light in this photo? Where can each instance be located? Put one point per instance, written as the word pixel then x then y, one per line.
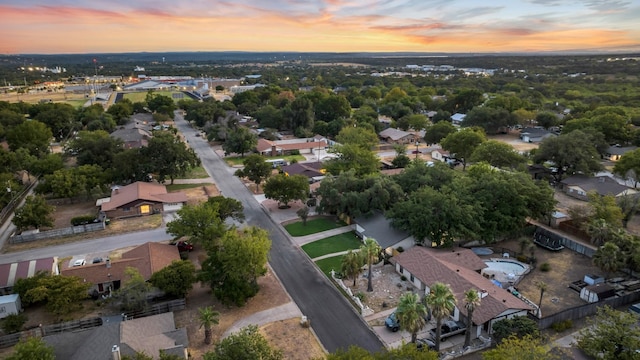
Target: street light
pixel 417 144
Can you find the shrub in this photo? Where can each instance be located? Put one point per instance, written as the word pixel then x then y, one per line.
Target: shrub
pixel 361 296
pixel 545 267
pixel 403 278
pixel 13 323
pixel 561 326
pixel 82 220
pixel 400 249
pixel 522 258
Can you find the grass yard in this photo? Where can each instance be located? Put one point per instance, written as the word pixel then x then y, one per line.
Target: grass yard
pixel 237 160
pixel 328 264
pixel 176 187
pixel 313 226
pixel 196 173
pixel 141 96
pixel 332 244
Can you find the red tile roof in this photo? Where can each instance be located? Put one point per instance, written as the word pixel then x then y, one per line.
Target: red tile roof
pixel 142 191
pixel 458 269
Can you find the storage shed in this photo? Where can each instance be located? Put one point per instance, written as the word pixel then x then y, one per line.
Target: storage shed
pixel 597 292
pixel 9 305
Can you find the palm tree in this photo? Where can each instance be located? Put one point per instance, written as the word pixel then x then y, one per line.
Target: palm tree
pixel 543 287
pixel 207 318
pixel 599 230
pixel 370 250
pixel 471 302
pixel 351 265
pixel 441 301
pixel 608 258
pixel 411 314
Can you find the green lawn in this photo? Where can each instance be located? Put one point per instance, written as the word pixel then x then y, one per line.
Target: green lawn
pixel 140 96
pixel 313 226
pixel 237 160
pixel 332 244
pixel 196 173
pixel 176 187
pixel 326 265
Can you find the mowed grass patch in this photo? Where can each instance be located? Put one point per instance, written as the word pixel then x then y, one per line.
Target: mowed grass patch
pixel 333 263
pixel 196 173
pixel 313 226
pixel 177 187
pixel 332 244
pixel 237 160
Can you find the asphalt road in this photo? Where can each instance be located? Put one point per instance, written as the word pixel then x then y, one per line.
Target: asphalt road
pixel 333 319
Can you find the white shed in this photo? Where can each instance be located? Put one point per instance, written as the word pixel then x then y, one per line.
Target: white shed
pixel 597 292
pixel 9 304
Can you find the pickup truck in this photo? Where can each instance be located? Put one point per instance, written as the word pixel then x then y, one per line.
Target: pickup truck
pixel 449 328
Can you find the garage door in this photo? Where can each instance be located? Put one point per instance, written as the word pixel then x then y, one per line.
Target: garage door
pixel 172 207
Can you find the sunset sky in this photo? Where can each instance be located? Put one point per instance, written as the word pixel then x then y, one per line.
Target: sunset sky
pixel 74 26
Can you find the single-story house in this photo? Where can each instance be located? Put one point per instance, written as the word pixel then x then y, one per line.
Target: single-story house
pixel 440 155
pixel 378 227
pixel 614 153
pixel 535 135
pixel 11 272
pixel 460 269
pixel 132 138
pixel 147 258
pixel 385 121
pixel 312 170
pixel 117 338
pixel 397 136
pixel 457 119
pixel 140 198
pixel 578 186
pixel 284 147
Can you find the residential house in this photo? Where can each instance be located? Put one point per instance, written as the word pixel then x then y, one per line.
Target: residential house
pixel 312 170
pixel 285 147
pixel 385 121
pixel 460 269
pixel 132 138
pixel 147 258
pixel 11 272
pixel 578 186
pixel 140 198
pixel 535 135
pixel 440 155
pixel 117 338
pixel 457 119
pixel 614 153
pixel 397 136
pixel 378 227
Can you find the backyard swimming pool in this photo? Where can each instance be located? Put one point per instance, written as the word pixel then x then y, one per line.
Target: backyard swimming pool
pixel 507 272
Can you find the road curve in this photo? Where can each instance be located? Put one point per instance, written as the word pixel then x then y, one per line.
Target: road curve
pixel 333 319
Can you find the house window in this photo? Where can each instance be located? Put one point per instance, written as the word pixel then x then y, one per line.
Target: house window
pixel 401 269
pixel 126 208
pixel 411 277
pixel 145 209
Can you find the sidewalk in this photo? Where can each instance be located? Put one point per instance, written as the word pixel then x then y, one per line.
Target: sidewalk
pixel 333 254
pixel 283 312
pixel 301 240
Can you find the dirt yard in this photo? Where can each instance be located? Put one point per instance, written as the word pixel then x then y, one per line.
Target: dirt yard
pixel 387 288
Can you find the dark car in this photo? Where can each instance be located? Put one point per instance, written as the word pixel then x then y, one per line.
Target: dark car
pixel 422 344
pixel 184 246
pixel 96 260
pixel 392 323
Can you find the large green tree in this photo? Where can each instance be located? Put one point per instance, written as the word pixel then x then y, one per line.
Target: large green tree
pixel 255 169
pixel 177 279
pixel 608 258
pixel 438 131
pixel 233 266
pixel 240 141
pixel 492 120
pixel 31 135
pixel 284 188
pixel 611 335
pixel 441 302
pixel 133 292
pixel 411 314
pixel 570 154
pixel 247 344
pixel 201 223
pixel 499 154
pixel 95 147
pixel 61 295
pixel 34 213
pixel 527 348
pixel 168 156
pixel 463 143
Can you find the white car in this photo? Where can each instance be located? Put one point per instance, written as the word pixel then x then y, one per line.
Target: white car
pixel 79 262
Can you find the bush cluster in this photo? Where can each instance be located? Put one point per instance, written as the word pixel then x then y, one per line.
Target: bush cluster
pixel 82 220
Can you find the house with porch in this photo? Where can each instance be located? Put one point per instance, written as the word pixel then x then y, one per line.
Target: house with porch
pixel 460 269
pixel 614 153
pixel 578 186
pixel 139 199
pixel 397 136
pixel 285 147
pixel 106 277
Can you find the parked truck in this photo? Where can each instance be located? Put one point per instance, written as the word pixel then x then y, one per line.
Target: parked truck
pixel 449 328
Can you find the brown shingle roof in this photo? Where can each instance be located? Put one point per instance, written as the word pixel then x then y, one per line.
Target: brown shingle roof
pixel 146 258
pixel 431 266
pixel 142 191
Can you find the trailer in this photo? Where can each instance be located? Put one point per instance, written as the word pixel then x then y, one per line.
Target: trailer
pixel 9 305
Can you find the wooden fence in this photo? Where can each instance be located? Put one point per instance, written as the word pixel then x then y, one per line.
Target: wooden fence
pixel 155 309
pixel 72 230
pixel 586 310
pixel 71 326
pixel 9 340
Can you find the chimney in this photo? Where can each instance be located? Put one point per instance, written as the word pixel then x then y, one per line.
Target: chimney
pixel 274 152
pixel 108 263
pixel 115 352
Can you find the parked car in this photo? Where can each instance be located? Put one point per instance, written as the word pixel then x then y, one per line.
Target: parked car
pixel 425 343
pixel 184 246
pixel 392 323
pixel 448 329
pixel 96 260
pixel 79 262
